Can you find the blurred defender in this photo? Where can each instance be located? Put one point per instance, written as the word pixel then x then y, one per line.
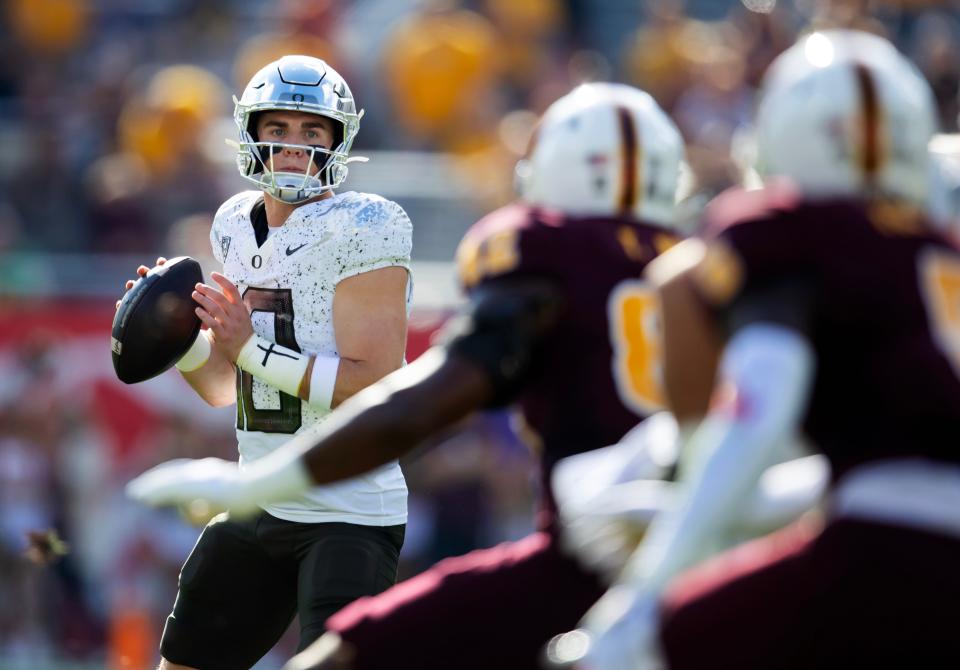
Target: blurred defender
pixel 311 307
pixel 839 306
pixel 559 323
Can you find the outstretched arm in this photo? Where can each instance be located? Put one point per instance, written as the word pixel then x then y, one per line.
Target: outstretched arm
pixel 483 364
pixel 374 427
pixel 389 419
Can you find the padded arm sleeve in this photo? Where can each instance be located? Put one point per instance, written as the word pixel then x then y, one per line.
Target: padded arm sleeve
pixel 506 321
pixel 771 368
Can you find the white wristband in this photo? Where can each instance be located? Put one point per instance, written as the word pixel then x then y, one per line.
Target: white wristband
pixel 322 381
pixel 197 355
pixel 286 369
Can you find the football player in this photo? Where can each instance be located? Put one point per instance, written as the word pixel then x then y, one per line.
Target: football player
pixel 311 307
pixel 838 304
pixel 561 324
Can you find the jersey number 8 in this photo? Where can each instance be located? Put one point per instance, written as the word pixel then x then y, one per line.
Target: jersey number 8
pixel 940 273
pixel 633 315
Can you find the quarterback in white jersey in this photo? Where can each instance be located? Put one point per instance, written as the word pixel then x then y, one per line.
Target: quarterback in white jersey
pixel 288 285
pixel 310 308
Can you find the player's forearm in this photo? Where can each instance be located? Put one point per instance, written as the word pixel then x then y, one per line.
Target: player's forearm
pixel 324 381
pixel 355 375
pixel 691 343
pixel 392 417
pixel 377 426
pixel 215 380
pixel 303 374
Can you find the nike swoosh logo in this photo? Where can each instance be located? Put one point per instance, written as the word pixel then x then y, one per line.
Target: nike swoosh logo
pixel 295 249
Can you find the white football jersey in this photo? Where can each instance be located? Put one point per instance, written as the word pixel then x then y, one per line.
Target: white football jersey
pixel 288 285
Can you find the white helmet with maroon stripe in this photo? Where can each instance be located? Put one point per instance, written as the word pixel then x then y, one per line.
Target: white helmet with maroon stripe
pixel 842 112
pixel 604 149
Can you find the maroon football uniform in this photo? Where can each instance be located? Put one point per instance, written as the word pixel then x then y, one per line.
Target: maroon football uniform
pixel 595 373
pixel 858 594
pixel 587 377
pixel 881 306
pixel 877 293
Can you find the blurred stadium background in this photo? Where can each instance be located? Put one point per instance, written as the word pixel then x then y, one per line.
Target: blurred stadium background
pixel 113 117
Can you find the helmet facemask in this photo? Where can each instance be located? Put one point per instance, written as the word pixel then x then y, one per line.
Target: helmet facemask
pixel 325 168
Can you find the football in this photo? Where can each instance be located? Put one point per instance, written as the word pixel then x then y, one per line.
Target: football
pixel 156 323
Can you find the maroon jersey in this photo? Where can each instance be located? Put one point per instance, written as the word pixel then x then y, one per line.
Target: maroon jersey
pixel 595 372
pixel 882 312
pixel 587 378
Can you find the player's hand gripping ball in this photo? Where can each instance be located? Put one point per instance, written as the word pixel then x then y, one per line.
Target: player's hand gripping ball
pixel 156 322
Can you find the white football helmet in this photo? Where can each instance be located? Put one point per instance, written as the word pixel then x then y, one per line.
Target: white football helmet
pixel 301 84
pixel 842 112
pixel 604 149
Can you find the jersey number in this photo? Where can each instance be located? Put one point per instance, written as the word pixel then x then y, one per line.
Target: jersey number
pixel 634 318
pixel 279 302
pixel 941 291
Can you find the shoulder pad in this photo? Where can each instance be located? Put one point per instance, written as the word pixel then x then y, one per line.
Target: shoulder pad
pixel 240 201
pixel 737 205
pixel 491 247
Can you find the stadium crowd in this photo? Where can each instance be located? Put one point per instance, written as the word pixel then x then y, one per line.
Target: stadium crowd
pixel 113 120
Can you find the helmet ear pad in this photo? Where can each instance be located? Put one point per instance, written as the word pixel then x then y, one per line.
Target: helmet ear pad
pixel 338 131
